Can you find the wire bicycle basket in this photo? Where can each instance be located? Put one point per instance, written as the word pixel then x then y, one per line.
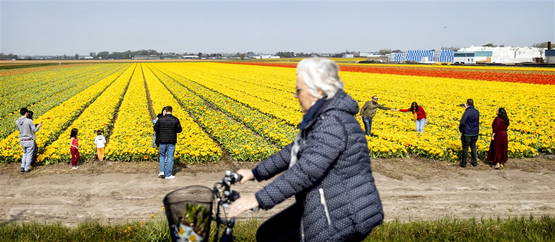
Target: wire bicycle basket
pixel 190 210
pixel 189 213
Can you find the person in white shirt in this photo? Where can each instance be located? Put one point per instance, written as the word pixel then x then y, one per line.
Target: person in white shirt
pixel 100 143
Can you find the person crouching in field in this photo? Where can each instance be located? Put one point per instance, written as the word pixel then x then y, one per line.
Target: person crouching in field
pixel 499 145
pixel 74 149
pixel 419 116
pixel 100 142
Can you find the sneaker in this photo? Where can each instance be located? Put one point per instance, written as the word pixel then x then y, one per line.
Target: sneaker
pixel 475 164
pixel 462 165
pixel 74 167
pixel 161 174
pixel 169 177
pixel 28 170
pixel 497 166
pixel 22 169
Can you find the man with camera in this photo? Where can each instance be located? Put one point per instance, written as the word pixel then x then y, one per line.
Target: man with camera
pixel 469 127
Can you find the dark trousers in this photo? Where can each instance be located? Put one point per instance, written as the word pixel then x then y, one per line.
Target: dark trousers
pixel 367 125
pixel 284 226
pixel 469 141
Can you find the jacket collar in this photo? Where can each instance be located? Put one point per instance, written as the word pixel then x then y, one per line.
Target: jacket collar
pixel 312 113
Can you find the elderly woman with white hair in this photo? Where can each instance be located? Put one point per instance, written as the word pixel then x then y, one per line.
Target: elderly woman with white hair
pixel 327 168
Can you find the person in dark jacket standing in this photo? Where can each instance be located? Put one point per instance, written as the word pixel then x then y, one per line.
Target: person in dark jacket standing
pixel 327 168
pixel 499 145
pixel 470 128
pixel 166 129
pixel 368 112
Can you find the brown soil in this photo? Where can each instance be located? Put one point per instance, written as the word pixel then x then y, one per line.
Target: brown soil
pixel 411 189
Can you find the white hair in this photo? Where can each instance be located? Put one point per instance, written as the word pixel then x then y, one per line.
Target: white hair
pixel 320 74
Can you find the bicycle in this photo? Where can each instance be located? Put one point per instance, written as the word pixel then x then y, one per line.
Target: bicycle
pixel 190 211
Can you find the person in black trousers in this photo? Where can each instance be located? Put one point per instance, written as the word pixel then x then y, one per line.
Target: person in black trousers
pixel 469 128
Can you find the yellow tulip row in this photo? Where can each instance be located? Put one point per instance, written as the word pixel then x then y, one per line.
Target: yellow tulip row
pixel 193 144
pixel 242 143
pixel 220 78
pixel 55 89
pixel 271 128
pixel 56 120
pixel 131 137
pixel 98 115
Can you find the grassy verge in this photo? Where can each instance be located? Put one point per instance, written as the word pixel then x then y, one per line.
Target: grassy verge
pixel 512 229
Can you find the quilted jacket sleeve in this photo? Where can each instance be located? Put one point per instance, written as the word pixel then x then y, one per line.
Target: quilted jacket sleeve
pixel 277 163
pixel 323 146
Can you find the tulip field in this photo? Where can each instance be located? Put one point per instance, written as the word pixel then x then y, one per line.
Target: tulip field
pixel 248 111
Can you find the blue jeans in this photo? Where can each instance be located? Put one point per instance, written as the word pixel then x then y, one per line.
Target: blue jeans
pixel 28 149
pixel 166 158
pixel 420 125
pixel 367 125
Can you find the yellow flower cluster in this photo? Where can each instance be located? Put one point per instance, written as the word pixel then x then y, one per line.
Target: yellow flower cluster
pixel 97 116
pixel 131 138
pixel 44 90
pixel 242 143
pixel 56 120
pixel 193 144
pixel 273 129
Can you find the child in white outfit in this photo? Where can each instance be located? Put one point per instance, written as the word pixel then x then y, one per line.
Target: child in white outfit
pixel 100 143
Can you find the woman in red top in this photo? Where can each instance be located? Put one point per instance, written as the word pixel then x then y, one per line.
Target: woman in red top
pixel 420 114
pixel 74 149
pixel 499 145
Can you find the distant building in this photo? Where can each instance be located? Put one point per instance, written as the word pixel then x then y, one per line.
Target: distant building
pixel 550 56
pixel 503 55
pixel 423 56
pixel 265 57
pixel 366 54
pixel 190 57
pixel 464 57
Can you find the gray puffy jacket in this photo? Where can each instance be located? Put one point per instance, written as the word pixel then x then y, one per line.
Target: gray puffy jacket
pixel 332 178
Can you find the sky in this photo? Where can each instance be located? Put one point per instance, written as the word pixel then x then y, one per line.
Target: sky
pixel 69 27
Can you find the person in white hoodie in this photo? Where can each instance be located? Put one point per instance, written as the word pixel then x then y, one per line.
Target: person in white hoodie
pixel 27 138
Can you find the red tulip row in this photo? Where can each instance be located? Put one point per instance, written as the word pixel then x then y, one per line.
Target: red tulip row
pixel 503 76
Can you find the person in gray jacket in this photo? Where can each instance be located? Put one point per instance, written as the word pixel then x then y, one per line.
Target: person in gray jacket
pixel 327 168
pixel 26 138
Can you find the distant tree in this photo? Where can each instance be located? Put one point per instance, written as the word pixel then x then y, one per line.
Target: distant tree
pixel 489 45
pixel 77 56
pixel 540 45
pixel 199 55
pixel 396 51
pixel 242 56
pixel 7 56
pixel 284 54
pixel 103 54
pixel 93 55
pixel 384 51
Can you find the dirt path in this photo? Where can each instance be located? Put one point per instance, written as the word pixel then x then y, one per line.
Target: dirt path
pixel 410 189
